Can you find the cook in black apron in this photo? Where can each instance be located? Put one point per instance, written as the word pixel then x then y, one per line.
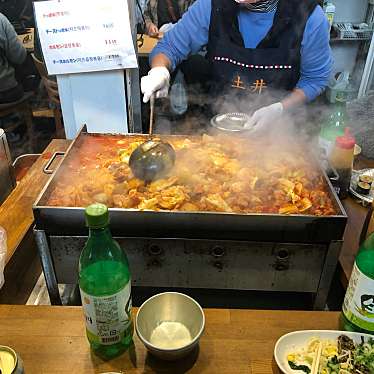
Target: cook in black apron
pixel 245 79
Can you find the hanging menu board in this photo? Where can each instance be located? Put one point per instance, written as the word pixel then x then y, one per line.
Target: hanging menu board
pixel 84 36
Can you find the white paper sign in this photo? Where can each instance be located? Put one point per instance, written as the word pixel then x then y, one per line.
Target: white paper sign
pixel 85 35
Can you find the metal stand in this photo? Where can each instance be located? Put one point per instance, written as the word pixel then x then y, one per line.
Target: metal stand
pixel 278 267
pixel 48 267
pixel 331 261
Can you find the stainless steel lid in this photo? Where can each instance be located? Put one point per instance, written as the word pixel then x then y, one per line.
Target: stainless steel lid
pixel 231 122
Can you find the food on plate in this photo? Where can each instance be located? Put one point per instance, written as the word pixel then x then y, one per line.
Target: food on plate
pixel 340 356
pixel 219 174
pixel 366 179
pixel 363 188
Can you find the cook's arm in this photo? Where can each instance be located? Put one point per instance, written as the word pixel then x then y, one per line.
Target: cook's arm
pixel 161 60
pixel 186 37
pixel 296 98
pixel 316 60
pixel 316 66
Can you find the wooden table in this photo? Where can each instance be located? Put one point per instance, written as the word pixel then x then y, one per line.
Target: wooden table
pixel 16 214
pixel 52 340
pixel 356 216
pixel 148 44
pixel 27 39
pixel 17 218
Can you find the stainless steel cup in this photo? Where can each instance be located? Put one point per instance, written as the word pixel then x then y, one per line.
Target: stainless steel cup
pixel 17 367
pixel 170 307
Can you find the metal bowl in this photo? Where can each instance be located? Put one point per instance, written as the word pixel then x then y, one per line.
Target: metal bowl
pixel 231 122
pixel 170 307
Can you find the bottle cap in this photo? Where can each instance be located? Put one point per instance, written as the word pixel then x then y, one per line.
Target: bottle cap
pixel 347 141
pixel 97 216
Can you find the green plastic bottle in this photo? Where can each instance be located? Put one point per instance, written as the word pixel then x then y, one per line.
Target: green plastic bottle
pixel 105 287
pixel 334 125
pixel 358 306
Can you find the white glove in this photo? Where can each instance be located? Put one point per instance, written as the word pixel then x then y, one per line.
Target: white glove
pixel 263 118
pixel 166 27
pixel 157 81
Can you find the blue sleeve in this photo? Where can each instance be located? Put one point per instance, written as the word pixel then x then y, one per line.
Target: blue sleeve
pixel 188 36
pixel 316 56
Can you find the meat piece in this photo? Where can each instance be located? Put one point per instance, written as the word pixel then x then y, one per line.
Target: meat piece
pixel 286 184
pixel 162 184
pixel 172 197
pixel 189 207
pixel 288 209
pixel 134 183
pixel 101 198
pixel 304 204
pixel 217 203
pixel 150 204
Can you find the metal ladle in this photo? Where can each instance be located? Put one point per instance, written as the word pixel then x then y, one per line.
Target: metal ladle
pixel 154 158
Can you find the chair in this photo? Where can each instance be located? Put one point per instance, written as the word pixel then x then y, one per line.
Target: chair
pixel 20 106
pixel 53 96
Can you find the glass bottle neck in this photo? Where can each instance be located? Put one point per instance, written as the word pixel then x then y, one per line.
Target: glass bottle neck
pixel 340 103
pixel 100 232
pixel 369 242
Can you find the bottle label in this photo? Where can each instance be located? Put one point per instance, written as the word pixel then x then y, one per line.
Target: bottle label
pixel 326 145
pixel 358 306
pixel 107 317
pixel 330 17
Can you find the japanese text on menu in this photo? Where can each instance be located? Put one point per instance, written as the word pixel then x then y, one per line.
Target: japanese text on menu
pixel 81 37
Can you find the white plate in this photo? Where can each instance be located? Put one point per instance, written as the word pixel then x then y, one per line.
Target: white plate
pixel 298 339
pixel 354 180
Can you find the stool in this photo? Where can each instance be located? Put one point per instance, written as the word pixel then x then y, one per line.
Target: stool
pixel 20 106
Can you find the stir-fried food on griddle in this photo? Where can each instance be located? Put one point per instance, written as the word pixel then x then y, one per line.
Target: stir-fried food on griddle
pixel 220 174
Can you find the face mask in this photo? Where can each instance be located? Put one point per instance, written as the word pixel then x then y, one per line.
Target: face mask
pixel 262 6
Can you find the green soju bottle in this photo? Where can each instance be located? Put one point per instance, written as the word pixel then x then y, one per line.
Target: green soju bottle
pixel 105 287
pixel 334 125
pixel 358 306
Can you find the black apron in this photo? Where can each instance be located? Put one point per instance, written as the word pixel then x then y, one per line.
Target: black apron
pixel 255 76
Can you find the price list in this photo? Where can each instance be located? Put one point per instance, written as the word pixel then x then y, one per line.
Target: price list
pixel 85 36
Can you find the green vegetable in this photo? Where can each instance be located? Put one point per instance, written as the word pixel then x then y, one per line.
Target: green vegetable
pixel 333 365
pixel 364 357
pixel 303 368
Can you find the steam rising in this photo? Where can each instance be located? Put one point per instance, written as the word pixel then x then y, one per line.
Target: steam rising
pixel 361 113
pixel 293 126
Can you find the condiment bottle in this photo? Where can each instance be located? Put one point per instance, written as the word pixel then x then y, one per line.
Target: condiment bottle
pixel 342 160
pixel 358 306
pixel 105 287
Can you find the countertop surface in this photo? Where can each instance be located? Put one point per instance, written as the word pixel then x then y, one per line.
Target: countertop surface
pixel 52 340
pixel 16 214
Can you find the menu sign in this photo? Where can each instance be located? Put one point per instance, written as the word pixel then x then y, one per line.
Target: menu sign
pixel 83 36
